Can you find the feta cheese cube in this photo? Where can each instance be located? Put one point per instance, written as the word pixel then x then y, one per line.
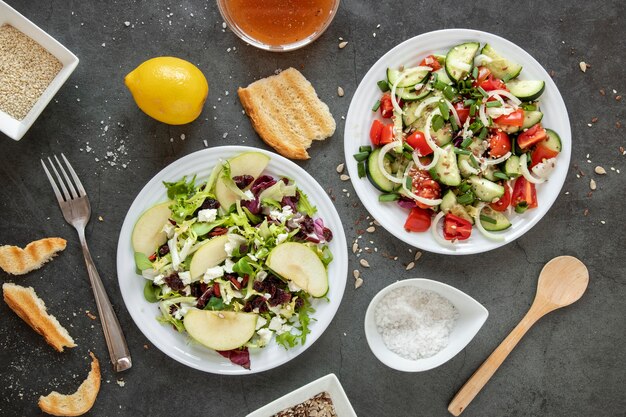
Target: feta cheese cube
pixel 276 323
pixel 212 273
pixel 265 335
pixel 185 277
pixel 207 215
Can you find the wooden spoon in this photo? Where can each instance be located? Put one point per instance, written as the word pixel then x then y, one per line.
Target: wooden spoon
pixel 562 281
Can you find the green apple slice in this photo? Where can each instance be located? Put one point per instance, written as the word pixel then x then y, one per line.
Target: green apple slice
pixel 298 263
pixel 148 232
pixel 220 330
pixel 249 163
pixel 210 254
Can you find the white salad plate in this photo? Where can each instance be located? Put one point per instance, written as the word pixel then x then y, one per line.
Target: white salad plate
pixel 410 53
pixel 179 346
pixel 328 383
pixel 472 316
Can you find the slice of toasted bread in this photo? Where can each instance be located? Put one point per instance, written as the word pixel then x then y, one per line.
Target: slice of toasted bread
pixel 18 261
pixel 78 403
pixel 286 112
pixel 32 310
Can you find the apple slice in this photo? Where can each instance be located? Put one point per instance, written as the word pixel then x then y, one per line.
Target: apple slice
pixel 148 232
pixel 210 254
pixel 298 263
pixel 220 330
pixel 248 163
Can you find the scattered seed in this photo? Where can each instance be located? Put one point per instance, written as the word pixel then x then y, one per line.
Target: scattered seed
pixel 592 184
pixel 340 91
pixel 220 315
pixel 364 263
pixel 344 177
pixel 90 315
pixel 410 266
pixel 358 283
pixel 599 170
pixel 340 168
pixel 417 257
pixel 343 44
pixel 618 125
pixel 602 92
pixel 602 221
pixel 586 212
pixel 370 229
pixel 127 24
pixel 376 223
pixel 100 219
pixel 618 98
pixel 356 274
pixel 583 66
pixel 355 247
pixel 594 119
pixel 622 150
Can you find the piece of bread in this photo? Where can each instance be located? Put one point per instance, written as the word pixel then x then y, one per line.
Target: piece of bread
pixel 78 403
pixel 32 310
pixel 18 261
pixel 286 112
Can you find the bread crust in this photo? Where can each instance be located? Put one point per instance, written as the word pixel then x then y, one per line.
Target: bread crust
pixel 30 308
pixel 78 403
pixel 17 261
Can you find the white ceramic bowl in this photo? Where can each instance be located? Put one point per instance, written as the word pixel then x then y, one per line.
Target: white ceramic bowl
pixel 14 128
pixel 472 316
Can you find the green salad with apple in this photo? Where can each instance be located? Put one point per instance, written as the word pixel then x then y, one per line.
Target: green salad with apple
pixel 234 260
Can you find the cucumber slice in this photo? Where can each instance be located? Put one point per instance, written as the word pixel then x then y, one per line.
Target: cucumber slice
pixel 484 189
pixel 415 77
pixel 376 177
pixel 553 142
pixel 501 222
pixel 465 166
pixel 489 171
pixel 448 201
pixel 408 117
pixel 460 60
pixel 526 90
pixel 447 169
pixel 500 66
pixel 512 167
pixel 408 94
pixel 459 211
pixel 442 76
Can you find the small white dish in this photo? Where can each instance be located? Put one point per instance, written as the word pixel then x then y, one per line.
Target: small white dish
pixel 10 126
pixel 328 383
pixel 472 316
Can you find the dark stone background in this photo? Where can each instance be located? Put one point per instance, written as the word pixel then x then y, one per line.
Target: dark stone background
pixel 570 364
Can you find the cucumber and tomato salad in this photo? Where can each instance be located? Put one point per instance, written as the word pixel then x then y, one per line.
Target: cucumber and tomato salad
pixel 459 138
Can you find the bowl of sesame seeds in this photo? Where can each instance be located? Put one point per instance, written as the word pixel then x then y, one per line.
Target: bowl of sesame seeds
pixel 33 67
pixel 418 324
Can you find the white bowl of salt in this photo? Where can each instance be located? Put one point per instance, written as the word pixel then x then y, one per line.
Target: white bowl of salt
pixel 418 324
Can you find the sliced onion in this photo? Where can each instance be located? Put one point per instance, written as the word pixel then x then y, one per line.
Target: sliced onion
pixel 432 163
pixel 482 115
pixel 381 160
pixel 429 138
pixel 498 160
pixel 523 162
pixel 404 73
pixel 454 113
pixel 479 225
pixel 423 104
pixel 504 93
pixel 495 112
pixel 414 196
pixel 482 59
pixel 466 166
pixel 544 169
pixel 435 232
pixel 461 65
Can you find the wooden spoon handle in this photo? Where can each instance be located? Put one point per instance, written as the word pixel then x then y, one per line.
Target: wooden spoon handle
pixel 482 375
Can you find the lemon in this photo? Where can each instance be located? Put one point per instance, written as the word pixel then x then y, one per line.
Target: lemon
pixel 169 89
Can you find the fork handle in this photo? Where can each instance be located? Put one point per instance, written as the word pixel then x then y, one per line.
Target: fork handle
pixel 116 342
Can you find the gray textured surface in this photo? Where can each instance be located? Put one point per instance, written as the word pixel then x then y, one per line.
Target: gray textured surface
pixel 570 364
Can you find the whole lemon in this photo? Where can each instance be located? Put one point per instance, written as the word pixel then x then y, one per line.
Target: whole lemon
pixel 169 89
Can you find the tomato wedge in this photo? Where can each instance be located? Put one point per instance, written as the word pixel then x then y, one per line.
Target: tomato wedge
pixel 531 136
pixel 503 203
pixel 541 153
pixel 418 142
pixel 462 111
pixel 524 195
pixel 456 228
pixel 418 220
pixel 514 119
pixel 386 107
pixel 386 135
pixel 499 144
pixel 431 61
pixel 375 131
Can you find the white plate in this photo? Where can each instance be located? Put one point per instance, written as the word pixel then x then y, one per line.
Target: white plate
pixel 328 383
pixel 410 53
pixel 177 345
pixel 13 128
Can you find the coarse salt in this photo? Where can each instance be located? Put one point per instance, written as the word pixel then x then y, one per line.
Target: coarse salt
pixel 415 323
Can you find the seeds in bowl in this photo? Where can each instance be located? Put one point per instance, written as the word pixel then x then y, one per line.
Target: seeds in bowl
pixel 415 323
pixel 320 405
pixel 26 70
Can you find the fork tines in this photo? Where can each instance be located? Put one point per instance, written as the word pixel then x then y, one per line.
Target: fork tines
pixel 69 192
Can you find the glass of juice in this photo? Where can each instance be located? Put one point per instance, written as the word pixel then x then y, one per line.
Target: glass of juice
pixel 278 25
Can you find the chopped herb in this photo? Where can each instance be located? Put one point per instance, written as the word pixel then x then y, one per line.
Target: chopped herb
pixel 459 151
pixel 487 219
pixel 437 122
pixel 501 175
pixel 388 197
pixel 383 85
pixel 376 105
pixel 482 92
pixel 445 111
pixel 467 142
pixel 365 148
pixel 475 73
pixel 361 156
pixel 360 167
pixel 494 103
pixel 449 92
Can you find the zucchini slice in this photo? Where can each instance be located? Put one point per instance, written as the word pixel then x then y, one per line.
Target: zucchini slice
pixel 460 60
pixel 415 77
pixel 499 66
pixel 526 90
pixel 553 141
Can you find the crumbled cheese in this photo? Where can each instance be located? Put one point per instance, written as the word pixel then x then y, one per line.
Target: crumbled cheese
pixel 168 229
pixel 185 277
pixel 260 322
pixel 228 265
pixel 207 215
pixel 158 280
pixel 293 287
pixel 234 241
pixel 281 238
pixel 276 323
pixel 281 216
pixel 182 311
pixel 249 195
pixel 261 275
pixel 252 257
pixel 265 335
pixel 212 273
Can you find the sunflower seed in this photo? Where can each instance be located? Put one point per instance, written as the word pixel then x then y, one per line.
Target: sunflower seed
pixel 343 44
pixel 356 274
pixel 600 171
pixel 340 91
pixel 344 177
pixel 358 283
pixel 592 184
pixel 376 223
pixel 370 229
pixel 410 266
pixel 364 263
pixel 583 66
pixel 418 255
pixel 355 247
pixel 340 168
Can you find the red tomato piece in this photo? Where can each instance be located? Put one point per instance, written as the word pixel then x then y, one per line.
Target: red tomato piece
pixel 418 220
pixel 386 107
pixel 424 186
pixel 541 153
pixel 493 83
pixel 462 111
pixel 524 195
pixel 503 203
pixel 499 144
pixel 386 135
pixel 418 142
pixel 483 73
pixel 456 228
pixel 375 131
pixel 514 119
pixel 431 61
pixel 531 136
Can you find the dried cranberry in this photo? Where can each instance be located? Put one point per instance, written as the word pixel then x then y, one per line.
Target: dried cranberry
pixel 204 298
pixel 242 181
pixel 174 282
pixel 164 250
pixel 328 234
pixel 244 282
pixel 299 303
pixel 279 297
pixel 218 231
pixel 216 290
pixel 307 225
pixel 258 286
pixel 172 222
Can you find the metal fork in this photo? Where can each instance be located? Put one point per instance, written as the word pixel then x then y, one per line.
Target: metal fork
pixel 77 211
